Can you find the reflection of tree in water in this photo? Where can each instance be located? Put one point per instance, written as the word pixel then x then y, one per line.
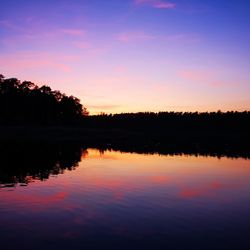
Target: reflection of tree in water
pixel 179 149
pixel 21 164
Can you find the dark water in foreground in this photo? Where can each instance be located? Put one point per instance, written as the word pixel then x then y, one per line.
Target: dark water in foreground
pixel 113 200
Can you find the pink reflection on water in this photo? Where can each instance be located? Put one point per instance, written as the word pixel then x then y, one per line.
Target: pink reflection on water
pixel 208 190
pixel 160 179
pixel 113 178
pixel 34 202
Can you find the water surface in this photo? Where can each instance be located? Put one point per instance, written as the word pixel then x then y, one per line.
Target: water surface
pixel 114 200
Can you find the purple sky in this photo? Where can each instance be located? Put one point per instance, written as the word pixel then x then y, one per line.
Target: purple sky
pixel 132 55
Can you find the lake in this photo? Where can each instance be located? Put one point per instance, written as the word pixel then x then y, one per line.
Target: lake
pixel 105 199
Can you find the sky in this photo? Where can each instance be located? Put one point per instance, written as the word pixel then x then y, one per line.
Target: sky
pixel 132 55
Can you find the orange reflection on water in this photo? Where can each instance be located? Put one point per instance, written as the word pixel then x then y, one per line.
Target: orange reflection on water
pixel 110 177
pixel 192 176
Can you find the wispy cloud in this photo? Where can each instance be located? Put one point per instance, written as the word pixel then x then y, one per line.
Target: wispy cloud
pixel 133 36
pixel 73 32
pixel 9 25
pixel 36 60
pixel 209 78
pixel 158 4
pixel 104 106
pixel 140 36
pixel 31 25
pixel 120 69
pixel 37 35
pixel 81 45
pixel 195 75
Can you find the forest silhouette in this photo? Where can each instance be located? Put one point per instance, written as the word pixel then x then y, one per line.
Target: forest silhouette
pixel 25 102
pixel 29 112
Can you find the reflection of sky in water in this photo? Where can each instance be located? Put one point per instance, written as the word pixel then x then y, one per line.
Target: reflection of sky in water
pixel 122 197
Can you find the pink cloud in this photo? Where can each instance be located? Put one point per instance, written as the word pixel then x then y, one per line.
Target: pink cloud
pixel 221 83
pixel 8 24
pixel 73 32
pixel 35 29
pixel 120 69
pixel 209 78
pixel 34 60
pixel 5 23
pixel 195 75
pixel 158 4
pixel 81 45
pixel 134 36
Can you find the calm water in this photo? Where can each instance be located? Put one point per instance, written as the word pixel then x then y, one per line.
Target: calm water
pixel 113 200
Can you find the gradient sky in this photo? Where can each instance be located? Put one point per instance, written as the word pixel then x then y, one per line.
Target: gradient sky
pixel 132 55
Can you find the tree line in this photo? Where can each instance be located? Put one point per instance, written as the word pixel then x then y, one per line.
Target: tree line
pixel 180 122
pixel 220 132
pixel 26 103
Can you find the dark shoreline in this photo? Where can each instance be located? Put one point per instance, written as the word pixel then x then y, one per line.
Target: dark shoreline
pixel 219 145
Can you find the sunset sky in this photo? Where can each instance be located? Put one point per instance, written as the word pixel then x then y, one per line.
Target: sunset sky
pixel 132 55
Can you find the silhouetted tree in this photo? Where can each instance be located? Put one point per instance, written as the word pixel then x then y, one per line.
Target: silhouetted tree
pixel 25 102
